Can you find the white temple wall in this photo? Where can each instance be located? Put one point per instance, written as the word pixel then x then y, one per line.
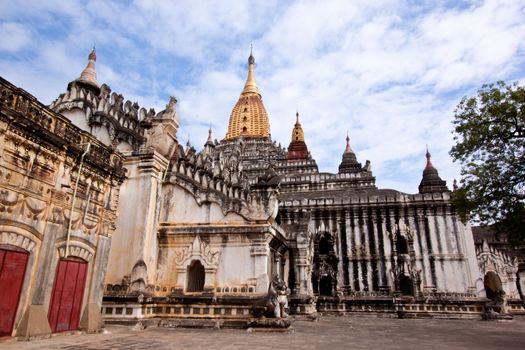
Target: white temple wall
pixel 135 236
pixel 236 267
pixel 78 118
pixel 185 209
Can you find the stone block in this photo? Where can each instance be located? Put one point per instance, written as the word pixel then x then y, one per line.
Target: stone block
pixel 91 321
pixel 34 323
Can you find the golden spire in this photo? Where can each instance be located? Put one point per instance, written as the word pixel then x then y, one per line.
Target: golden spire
pixel 89 74
pixel 297 133
pixel 348 148
pixel 250 87
pixel 249 118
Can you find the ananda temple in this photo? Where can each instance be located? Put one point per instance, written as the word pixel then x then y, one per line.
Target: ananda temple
pixel 106 216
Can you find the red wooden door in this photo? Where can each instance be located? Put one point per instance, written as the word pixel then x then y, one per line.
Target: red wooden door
pixel 66 302
pixel 12 271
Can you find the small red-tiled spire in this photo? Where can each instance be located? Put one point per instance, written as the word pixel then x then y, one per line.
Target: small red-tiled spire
pixel 297 150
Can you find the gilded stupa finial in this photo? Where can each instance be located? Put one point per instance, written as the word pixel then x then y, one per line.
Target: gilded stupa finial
pixel 251 60
pixel 250 87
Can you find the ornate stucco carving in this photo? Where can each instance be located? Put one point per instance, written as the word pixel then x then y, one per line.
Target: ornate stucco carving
pixel 492 259
pixel 76 249
pixel 220 179
pixel 26 242
pixel 200 250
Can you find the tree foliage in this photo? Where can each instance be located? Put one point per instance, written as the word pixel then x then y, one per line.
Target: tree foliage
pixel 490 144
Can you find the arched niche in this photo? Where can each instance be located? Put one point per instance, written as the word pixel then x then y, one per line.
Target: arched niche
pixel 202 252
pixel 492 284
pixel 406 285
pixel 195 277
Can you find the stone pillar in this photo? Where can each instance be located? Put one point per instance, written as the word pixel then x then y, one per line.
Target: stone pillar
pixel 367 281
pixel 422 239
pixel 334 218
pixel 209 279
pixel 260 253
pixel 357 238
pixel 389 251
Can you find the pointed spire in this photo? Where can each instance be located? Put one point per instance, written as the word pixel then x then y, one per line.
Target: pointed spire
pixel 89 74
pixel 209 141
pixel 348 148
pixel 349 163
pixel 297 150
pixel 251 60
pixel 251 86
pixel 297 133
pixel 209 135
pixel 431 182
pixel 429 162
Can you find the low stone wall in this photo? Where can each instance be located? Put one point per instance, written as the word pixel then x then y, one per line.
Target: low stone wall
pixel 516 307
pixel 187 307
pixel 402 307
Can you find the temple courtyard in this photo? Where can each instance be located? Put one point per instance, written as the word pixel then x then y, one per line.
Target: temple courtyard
pixel 327 332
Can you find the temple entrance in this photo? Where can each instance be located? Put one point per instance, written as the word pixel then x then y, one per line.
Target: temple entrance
pixel 325 286
pixel 13 262
pixel 196 277
pixel 492 284
pixel 402 245
pixel 406 286
pixel 68 291
pixel 324 274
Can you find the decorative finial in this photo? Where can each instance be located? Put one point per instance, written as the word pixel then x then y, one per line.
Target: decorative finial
pixel 251 86
pixel 297 117
pixel 251 60
pixel 348 148
pixel 93 54
pixel 89 74
pixel 429 162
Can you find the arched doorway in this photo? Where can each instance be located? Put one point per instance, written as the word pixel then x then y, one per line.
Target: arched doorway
pixel 196 277
pixel 492 284
pixel 406 286
pixel 402 245
pixel 13 263
pixel 324 275
pixel 325 286
pixel 68 291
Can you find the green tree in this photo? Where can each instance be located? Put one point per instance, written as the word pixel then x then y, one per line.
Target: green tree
pixel 490 145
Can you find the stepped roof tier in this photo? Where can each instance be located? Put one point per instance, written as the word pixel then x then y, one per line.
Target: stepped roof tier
pixel 349 163
pixel 431 182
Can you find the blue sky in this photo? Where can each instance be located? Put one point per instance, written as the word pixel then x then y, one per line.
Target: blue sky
pixel 389 72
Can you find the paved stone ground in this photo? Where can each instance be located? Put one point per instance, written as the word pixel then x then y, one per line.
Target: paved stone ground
pixel 329 332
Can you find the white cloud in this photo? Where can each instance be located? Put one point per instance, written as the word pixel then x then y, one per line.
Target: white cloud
pixel 13 36
pixel 390 72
